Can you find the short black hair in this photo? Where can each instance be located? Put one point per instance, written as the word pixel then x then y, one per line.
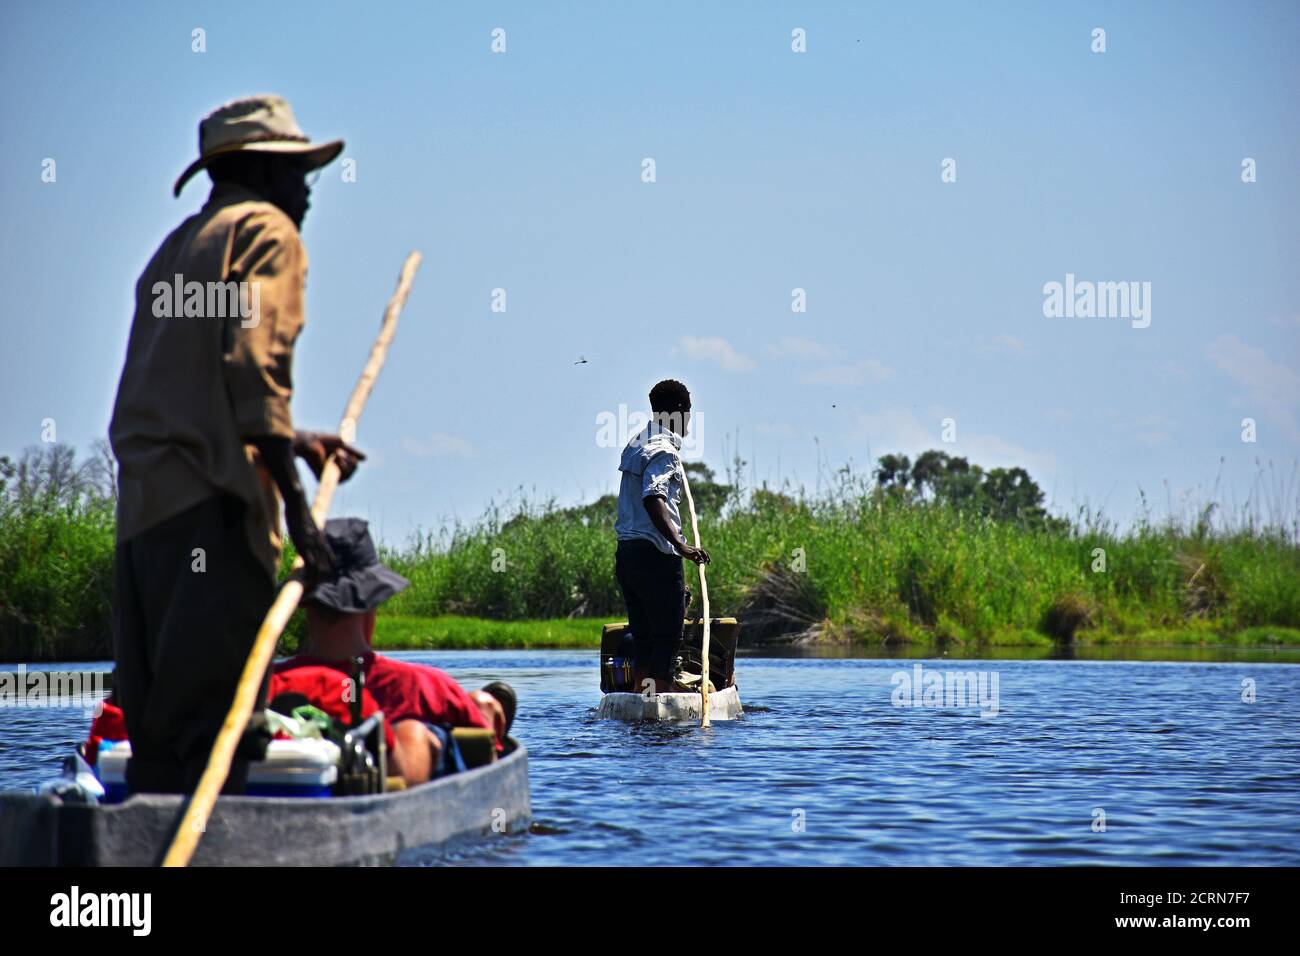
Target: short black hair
pixel 670 395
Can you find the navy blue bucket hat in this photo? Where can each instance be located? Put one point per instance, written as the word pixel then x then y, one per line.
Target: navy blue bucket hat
pixel 359 582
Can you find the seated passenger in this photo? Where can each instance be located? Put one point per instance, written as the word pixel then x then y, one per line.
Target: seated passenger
pixel 413 750
pixel 340 627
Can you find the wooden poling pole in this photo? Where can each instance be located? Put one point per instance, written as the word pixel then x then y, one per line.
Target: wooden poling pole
pixel 199 808
pixel 704 598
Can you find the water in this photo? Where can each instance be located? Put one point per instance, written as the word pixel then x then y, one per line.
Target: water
pixel 824 769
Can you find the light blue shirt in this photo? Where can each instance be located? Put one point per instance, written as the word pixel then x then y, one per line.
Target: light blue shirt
pixel 651 468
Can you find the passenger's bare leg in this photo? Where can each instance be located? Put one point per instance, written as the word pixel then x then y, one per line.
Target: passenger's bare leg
pixel 418 751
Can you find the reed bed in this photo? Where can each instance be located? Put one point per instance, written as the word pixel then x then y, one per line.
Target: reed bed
pixel 874 568
pixel 859 564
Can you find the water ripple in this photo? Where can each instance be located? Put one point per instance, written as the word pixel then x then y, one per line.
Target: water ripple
pixel 824 769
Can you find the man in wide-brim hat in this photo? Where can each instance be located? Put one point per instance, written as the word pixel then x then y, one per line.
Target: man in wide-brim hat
pixel 205 441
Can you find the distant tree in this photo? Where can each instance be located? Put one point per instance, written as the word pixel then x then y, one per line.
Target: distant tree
pixel 51 476
pixel 935 475
pixel 961 485
pixel 765 499
pixel 710 496
pixel 101 471
pixel 602 511
pixel 7 470
pixel 929 470
pixel 1004 494
pixel 893 471
pixel 1011 491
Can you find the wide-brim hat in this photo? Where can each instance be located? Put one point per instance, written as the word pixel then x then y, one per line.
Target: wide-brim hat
pixel 359 581
pixel 256 124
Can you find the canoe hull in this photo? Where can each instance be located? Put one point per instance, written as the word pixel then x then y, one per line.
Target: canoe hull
pixel 723 705
pixel 39 830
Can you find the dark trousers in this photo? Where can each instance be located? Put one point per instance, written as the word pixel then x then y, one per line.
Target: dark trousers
pixel 181 639
pixel 655 593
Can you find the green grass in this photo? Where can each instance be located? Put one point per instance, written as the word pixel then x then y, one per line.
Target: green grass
pixel 398 632
pixel 875 569
pixel 857 566
pixel 450 632
pixel 1246 637
pixel 56 581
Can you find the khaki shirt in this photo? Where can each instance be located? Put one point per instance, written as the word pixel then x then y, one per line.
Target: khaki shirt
pixel 209 365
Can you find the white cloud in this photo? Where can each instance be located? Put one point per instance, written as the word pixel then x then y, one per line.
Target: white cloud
pixel 795 347
pixel 894 430
pixel 856 374
pixel 842 373
pixel 438 445
pixel 716 350
pixel 899 431
pixel 1269 387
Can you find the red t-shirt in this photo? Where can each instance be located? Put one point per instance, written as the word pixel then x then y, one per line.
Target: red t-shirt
pixel 329 689
pixel 323 686
pixel 109 724
pixel 408 691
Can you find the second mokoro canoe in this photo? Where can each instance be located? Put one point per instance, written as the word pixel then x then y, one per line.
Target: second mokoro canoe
pixel 723 705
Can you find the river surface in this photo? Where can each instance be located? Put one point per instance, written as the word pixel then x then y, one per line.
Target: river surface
pixel 826 767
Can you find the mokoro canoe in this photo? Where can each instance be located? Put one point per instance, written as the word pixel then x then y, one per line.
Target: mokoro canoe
pixel 723 705
pixel 40 830
pixel 622 702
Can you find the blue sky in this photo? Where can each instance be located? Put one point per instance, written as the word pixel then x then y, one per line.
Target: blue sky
pixel 774 171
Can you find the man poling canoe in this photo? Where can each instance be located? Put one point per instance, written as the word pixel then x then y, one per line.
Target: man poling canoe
pixel 653 667
pixel 205 442
pixel 648 561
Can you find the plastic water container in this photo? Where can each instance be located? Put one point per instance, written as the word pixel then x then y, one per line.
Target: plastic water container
pixel 110 767
pixel 292 768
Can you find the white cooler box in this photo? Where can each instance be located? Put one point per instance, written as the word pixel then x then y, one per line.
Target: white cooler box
pixel 292 768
